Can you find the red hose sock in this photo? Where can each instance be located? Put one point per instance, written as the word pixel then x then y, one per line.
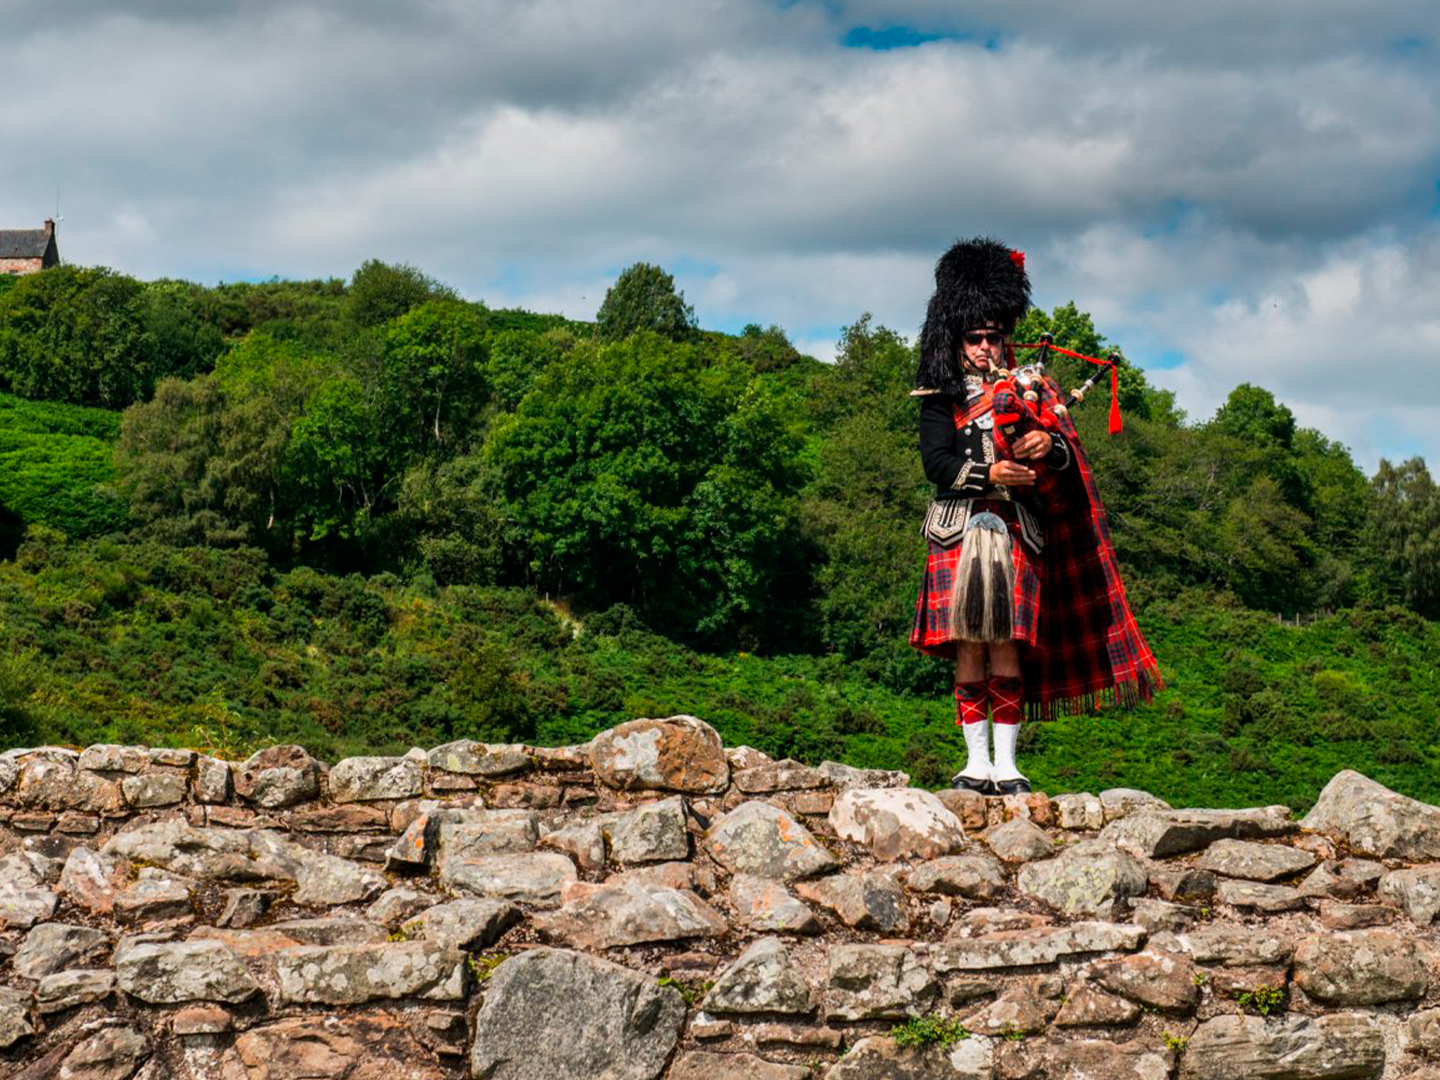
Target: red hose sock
pixel 972 702
pixel 1007 698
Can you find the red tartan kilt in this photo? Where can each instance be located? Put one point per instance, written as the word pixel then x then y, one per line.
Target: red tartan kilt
pixel 930 632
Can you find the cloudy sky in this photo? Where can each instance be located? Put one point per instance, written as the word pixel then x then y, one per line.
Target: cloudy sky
pixel 1242 190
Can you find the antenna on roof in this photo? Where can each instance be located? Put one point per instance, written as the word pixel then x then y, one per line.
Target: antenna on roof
pixel 58 218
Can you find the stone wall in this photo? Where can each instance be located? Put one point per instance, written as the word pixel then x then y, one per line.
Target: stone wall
pixel 653 905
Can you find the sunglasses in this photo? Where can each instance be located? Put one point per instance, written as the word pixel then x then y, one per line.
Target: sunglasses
pixel 983 337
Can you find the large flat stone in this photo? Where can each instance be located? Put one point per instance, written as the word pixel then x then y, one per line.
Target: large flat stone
pixel 976 877
pixel 680 753
pixel 762 979
pixel 763 840
pixel 701 1065
pixel 1088 879
pixel 896 823
pixel 467 924
pixel 866 901
pixel 370 779
pixel 537 878
pixel 1254 861
pixel 551 1013
pixel 52 947
pixel 355 1046
pixel 21 909
pixel 1340 1046
pixel 1375 821
pixel 166 973
pixel 1158 980
pixel 112 1053
pixel 1154 834
pixel 1237 946
pixel 630 913
pixel 1041 945
pixel 353 974
pixel 652 832
pixel 877 982
pixel 767 907
pixel 1361 967
pixel 471 758
pixel 1100 1059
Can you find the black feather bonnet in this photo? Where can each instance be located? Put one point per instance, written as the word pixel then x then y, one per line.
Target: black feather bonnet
pixel 977 282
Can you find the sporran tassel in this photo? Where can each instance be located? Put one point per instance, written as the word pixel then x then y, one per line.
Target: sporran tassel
pixel 982 604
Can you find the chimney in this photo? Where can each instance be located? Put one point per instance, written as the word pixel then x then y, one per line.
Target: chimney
pixel 49 226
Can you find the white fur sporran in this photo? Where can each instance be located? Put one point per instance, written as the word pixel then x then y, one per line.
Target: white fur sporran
pixel 982 606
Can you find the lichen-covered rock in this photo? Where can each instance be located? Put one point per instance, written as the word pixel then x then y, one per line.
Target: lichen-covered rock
pixel 1237 946
pixel 878 982
pixel 652 832
pixel 22 908
pixel 1121 802
pixel 1416 890
pixel 787 775
pixel 536 878
pixel 1271 899
pixel 1254 861
pixel 155 896
pixel 52 947
pixel 1100 1059
pixel 368 779
pixel 1088 879
pixel 471 758
pixel 767 907
pixel 1163 981
pixel 1039 945
pixel 212 780
pixel 356 1046
pixel 896 823
pixel 166 973
pixel 354 974
pixel 1155 834
pixel 66 989
pixel 1375 821
pixel 1363 967
pixel 552 1013
pixel 1018 1012
pixel 1091 1007
pixel 14 1016
pixel 465 834
pixel 1019 840
pixel 1341 1046
pixel 150 790
pixel 467 924
pixel 879 1057
pixel 700 1065
pixel 92 881
pixel 53 782
pixel 680 753
pixel 327 880
pixel 762 979
pixel 763 840
pixel 112 1053
pixel 976 877
pixel 109 757
pixel 865 901
pixel 1078 811
pixel 278 776
pixel 627 913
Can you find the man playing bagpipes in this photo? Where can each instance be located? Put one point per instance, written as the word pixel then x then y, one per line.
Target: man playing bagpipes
pixel 1021 587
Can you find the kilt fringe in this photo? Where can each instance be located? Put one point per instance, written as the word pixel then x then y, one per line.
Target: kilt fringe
pixel 1123 695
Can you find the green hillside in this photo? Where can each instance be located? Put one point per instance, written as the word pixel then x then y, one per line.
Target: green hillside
pixel 368 515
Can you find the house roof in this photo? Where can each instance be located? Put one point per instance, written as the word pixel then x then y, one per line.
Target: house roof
pixel 23 243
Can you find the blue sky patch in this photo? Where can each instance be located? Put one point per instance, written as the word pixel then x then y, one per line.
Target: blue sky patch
pixel 894 37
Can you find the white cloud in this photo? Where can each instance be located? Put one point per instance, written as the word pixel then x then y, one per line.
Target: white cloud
pixel 1249 184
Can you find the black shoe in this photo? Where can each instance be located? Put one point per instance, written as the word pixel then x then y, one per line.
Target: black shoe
pixel 981 785
pixel 1018 786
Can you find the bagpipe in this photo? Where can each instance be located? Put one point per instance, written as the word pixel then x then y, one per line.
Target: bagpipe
pixel 1025 401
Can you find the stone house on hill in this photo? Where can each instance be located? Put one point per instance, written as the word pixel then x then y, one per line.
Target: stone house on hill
pixel 24 251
